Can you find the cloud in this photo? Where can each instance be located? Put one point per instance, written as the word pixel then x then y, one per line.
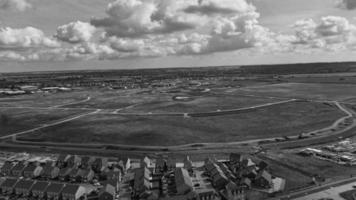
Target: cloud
pixel 329 32
pixel 209 7
pixel 15 5
pixel 135 18
pixel 347 4
pixel 75 32
pixel 28 37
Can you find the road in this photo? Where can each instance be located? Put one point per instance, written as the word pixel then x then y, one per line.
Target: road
pixel 71 103
pixel 49 125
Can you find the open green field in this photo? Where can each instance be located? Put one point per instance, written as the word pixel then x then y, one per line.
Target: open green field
pixel 280 120
pixel 313 166
pixel 304 91
pixel 13 120
pixel 43 99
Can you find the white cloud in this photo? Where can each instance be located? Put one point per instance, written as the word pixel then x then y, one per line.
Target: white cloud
pixel 209 7
pixel 75 32
pixel 330 32
pixel 135 18
pixel 25 38
pixel 16 5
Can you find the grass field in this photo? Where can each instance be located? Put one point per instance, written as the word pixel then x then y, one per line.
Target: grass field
pixel 282 120
pixel 329 170
pixel 304 91
pixel 15 120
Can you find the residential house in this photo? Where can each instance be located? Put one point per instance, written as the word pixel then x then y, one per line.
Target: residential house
pixel 171 164
pixel 29 170
pixel 188 164
pixel 6 168
pixel 99 164
pixel 7 187
pixel 183 181
pixel 161 165
pixel 64 173
pixel 142 180
pixel 39 189
pixel 108 192
pixel 50 172
pixel 206 194
pixel 54 191
pixel 23 187
pixel 74 161
pixel 87 161
pixel 263 180
pixel 85 175
pixel 73 192
pixel 233 192
pixel 62 160
pixel 18 169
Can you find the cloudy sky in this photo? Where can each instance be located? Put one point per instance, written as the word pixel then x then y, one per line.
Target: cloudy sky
pixel 98 34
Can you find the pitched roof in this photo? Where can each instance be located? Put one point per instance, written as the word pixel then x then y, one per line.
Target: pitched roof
pixel 62 157
pixel 30 168
pixel 9 182
pixel 142 176
pixel 40 186
pixel 70 189
pixel 19 166
pixel 7 166
pixel 47 170
pixel 24 184
pixel 235 157
pixel 108 188
pixel 267 176
pixel 231 186
pixel 55 187
pixel 160 162
pixel 182 177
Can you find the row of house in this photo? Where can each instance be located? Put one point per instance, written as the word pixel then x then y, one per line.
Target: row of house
pixel 53 190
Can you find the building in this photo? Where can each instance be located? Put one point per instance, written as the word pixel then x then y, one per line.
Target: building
pixel 18 169
pixel 39 189
pixel 62 160
pixel 74 161
pixel 23 187
pixel 263 180
pixel 28 170
pixel 87 161
pixel 233 192
pixel 7 187
pixel 72 192
pixel 183 181
pixel 188 164
pixel 107 192
pixel 161 165
pixel 99 164
pixel 6 168
pixel 50 172
pixel 64 173
pixel 54 191
pixel 85 175
pixel 142 181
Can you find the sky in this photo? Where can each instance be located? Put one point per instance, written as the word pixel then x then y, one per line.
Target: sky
pixel 44 35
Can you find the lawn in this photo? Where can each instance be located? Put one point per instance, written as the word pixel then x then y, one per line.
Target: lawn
pixel 304 91
pixel 282 120
pixel 13 120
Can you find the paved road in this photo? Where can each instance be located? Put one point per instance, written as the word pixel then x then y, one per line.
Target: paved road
pixel 71 103
pixel 210 113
